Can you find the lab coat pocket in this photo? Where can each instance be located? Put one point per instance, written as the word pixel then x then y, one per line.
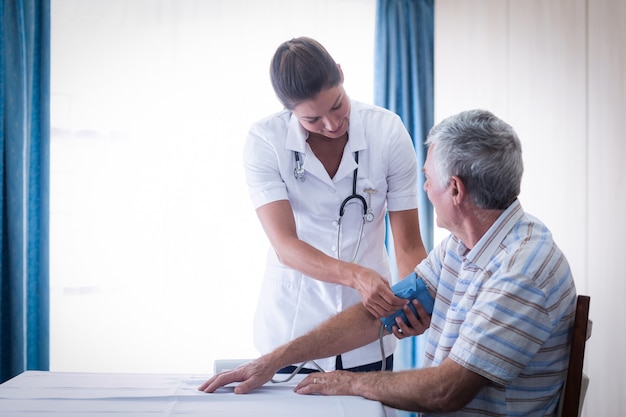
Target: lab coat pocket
pixel 375 194
pixel 277 304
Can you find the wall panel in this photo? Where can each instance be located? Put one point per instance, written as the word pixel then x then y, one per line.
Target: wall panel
pixel 607 207
pixel 556 70
pixel 470 64
pixel 547 102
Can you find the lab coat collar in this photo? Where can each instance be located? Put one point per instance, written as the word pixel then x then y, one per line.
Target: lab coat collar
pixel 356 132
pixel 296 136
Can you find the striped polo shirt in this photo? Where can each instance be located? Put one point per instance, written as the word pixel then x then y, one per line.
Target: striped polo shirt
pixel 504 309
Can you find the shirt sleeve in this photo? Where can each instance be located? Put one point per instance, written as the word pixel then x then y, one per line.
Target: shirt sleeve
pixel 430 268
pixel 402 171
pixel 503 329
pixel 261 167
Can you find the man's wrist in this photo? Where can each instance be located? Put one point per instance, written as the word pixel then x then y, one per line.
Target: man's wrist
pixel 277 359
pixel 365 384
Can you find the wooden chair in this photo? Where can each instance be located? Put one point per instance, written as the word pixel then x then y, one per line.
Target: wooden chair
pixel 575 388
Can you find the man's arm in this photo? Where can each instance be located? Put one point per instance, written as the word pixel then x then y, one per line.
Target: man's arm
pixel 443 388
pixel 352 328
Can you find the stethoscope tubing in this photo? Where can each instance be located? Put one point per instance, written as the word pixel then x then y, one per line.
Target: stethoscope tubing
pixel 368 216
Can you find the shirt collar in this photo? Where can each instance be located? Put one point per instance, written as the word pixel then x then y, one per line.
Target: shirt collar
pixel 481 254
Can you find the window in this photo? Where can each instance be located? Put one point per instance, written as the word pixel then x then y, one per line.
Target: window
pixel 156 252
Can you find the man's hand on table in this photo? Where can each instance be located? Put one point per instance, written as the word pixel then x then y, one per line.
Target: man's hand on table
pixel 250 375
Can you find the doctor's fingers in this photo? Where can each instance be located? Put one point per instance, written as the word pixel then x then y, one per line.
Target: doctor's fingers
pixel 379 307
pixel 382 301
pixel 376 309
pixel 390 303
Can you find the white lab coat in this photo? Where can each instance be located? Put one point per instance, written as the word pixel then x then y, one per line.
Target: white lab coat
pixel 291 303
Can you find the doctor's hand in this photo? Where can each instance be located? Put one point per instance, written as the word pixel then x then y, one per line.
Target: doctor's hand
pixel 417 324
pixel 376 294
pixel 251 375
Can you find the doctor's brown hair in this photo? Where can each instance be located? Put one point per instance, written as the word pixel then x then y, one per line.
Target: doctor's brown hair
pixel 300 69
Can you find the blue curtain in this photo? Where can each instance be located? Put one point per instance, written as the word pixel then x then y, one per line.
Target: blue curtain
pixel 24 175
pixel 404 84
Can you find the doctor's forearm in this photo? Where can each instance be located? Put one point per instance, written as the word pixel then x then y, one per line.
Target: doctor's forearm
pixel 280 227
pixel 407 240
pixel 312 262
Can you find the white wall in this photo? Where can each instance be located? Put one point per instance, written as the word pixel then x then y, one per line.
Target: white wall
pixel 556 71
pixel 156 252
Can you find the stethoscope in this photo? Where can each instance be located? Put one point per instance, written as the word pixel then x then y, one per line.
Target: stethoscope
pixel 368 216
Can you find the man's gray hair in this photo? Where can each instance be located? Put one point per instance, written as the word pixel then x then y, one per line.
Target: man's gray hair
pixel 484 152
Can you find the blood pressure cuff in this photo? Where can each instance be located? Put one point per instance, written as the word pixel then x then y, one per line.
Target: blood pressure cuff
pixel 409 288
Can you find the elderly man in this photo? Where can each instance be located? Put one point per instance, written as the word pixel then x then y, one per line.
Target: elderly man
pixel 504 296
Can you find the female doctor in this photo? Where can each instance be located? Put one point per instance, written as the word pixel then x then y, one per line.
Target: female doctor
pixel 322 174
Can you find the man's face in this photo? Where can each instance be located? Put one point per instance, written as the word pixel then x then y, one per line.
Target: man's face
pixel 439 196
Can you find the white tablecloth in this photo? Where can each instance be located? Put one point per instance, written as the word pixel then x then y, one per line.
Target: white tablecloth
pixel 63 394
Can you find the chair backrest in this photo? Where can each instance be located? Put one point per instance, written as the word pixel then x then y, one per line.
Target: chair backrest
pixel 576 383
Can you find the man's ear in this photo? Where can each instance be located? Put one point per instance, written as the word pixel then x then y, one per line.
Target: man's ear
pixel 457 190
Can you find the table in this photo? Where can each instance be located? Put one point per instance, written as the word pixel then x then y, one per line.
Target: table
pixel 63 394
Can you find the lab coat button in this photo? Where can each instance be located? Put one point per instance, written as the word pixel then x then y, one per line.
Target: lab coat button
pixel 334 249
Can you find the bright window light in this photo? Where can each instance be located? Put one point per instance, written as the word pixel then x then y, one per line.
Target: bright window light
pixel 156 252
